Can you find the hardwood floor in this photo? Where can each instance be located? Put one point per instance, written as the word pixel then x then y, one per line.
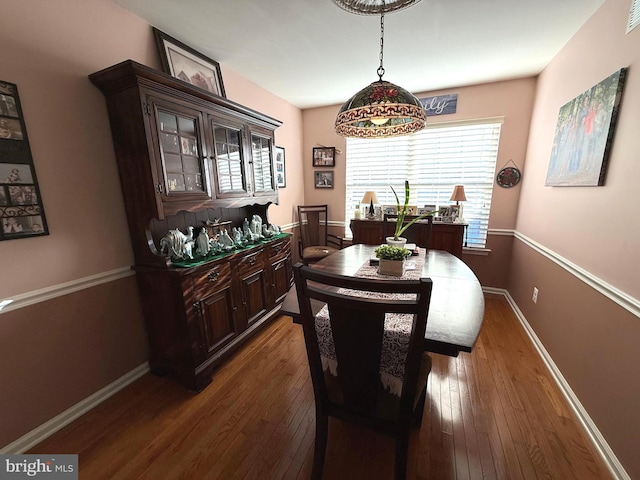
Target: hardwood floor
pixel 491 414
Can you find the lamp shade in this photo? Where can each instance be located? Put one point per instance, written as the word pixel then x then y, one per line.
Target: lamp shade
pixel 370 197
pixel 458 194
pixel 381 109
pixel 373 7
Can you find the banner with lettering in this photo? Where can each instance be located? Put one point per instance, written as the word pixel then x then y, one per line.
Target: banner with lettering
pixel 440 105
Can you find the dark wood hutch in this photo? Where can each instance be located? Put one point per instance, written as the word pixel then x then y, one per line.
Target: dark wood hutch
pixel 186 156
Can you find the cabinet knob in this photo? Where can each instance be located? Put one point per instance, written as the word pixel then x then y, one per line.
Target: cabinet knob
pixel 213 276
pixel 252 261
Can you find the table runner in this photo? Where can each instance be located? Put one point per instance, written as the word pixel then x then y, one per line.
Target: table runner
pixel 397 327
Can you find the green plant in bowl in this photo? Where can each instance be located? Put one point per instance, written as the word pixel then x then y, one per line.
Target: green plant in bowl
pixel 389 252
pixel 402 212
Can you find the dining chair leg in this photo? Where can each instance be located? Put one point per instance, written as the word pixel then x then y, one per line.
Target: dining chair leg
pixel 419 409
pixel 320 447
pixel 402 448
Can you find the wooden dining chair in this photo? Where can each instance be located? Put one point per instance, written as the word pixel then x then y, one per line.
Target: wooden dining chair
pixel 356 383
pixel 418 233
pixel 315 241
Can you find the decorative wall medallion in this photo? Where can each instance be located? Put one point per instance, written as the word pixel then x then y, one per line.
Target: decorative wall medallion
pixel 508 177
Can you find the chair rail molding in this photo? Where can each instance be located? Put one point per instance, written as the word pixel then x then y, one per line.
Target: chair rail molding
pixel 15 302
pixel 623 299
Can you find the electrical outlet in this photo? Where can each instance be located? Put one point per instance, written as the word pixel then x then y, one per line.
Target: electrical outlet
pixel 534 297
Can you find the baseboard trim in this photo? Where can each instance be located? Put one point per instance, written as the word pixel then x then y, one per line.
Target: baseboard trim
pixel 608 456
pixel 50 427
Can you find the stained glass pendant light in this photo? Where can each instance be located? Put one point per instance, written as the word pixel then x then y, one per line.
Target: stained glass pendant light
pixel 381 109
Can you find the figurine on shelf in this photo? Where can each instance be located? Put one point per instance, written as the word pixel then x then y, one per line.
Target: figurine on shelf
pixel 187 250
pixel 270 230
pixel 174 244
pixel 203 245
pixel 256 226
pixel 249 234
pixel 226 240
pixel 216 246
pixel 238 238
pixel 274 229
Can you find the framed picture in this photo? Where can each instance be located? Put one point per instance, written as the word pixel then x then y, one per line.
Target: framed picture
pixel 21 209
pixel 443 211
pixel 281 178
pixel 427 209
pixel 183 62
pixel 454 211
pixel 323 179
pixel 584 135
pixel 324 156
pixel 389 210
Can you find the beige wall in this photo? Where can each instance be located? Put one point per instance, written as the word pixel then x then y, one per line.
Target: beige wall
pixel 512 100
pixel 592 339
pixel 597 228
pixel 65 349
pixel 57 352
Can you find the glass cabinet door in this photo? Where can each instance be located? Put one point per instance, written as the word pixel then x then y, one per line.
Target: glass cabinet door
pixel 262 169
pixel 229 161
pixel 183 170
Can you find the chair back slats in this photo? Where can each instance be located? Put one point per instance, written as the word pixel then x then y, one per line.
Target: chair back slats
pixel 358 348
pixel 313 225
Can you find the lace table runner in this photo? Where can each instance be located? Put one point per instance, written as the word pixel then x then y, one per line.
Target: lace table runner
pixel 397 327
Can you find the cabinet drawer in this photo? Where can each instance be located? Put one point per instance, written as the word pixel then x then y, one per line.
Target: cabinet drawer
pixel 248 262
pixel 210 280
pixel 278 249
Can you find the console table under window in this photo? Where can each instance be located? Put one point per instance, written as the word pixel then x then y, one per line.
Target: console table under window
pixel 444 236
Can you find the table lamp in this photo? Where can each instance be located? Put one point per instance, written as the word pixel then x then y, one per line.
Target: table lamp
pixel 458 196
pixel 370 198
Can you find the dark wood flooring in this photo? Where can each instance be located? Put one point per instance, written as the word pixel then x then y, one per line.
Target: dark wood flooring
pixel 492 414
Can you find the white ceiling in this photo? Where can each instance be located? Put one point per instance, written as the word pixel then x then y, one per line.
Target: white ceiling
pixel 312 53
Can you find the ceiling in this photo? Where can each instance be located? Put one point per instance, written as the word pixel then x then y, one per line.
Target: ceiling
pixel 312 53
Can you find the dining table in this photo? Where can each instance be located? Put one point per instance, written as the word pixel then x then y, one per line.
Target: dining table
pixel 456 310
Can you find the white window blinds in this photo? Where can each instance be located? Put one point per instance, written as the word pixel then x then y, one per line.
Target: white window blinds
pixel 434 160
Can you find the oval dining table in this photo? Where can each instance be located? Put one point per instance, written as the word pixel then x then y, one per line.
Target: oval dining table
pixel 456 310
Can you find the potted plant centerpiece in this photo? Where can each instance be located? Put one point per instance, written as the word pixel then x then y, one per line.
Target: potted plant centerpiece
pixel 397 239
pixel 392 259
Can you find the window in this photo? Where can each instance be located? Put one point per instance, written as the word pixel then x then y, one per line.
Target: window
pixel 434 160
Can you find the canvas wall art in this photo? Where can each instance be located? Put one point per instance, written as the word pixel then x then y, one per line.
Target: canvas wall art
pixel 584 135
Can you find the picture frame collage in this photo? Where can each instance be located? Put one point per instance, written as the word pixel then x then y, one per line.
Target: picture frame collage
pixel 324 157
pixel 280 168
pixel 21 209
pixel 444 213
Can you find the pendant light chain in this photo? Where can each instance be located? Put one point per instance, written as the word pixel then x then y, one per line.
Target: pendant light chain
pixel 381 68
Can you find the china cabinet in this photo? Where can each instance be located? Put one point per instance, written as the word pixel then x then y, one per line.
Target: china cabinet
pixel 188 158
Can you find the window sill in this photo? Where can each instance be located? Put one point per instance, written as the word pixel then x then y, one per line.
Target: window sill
pixel 476 251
